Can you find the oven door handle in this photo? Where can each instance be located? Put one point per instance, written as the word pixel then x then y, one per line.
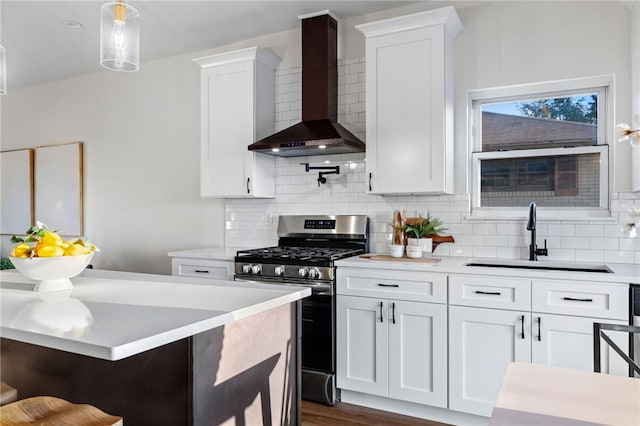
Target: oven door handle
pixel 317 288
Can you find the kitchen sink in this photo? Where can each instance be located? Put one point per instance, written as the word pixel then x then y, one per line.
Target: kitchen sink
pixel 543 265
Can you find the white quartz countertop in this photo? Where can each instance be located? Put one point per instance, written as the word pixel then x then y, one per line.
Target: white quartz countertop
pixel 210 253
pixel 113 315
pixel 621 272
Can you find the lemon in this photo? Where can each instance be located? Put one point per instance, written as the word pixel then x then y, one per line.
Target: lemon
pixel 75 249
pixel 21 250
pixel 50 250
pixel 51 238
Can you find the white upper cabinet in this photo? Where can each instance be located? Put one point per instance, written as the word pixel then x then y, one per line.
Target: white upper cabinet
pixel 237 108
pixel 410 97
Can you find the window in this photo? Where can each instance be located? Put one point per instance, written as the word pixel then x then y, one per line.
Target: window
pixel 543 142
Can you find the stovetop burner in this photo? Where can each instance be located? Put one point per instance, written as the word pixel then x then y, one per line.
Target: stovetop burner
pixel 305 254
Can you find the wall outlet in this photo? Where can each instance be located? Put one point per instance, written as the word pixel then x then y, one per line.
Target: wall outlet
pixel 268 218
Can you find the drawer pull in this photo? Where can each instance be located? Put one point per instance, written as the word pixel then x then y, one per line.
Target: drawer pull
pixel 490 293
pixel 381 320
pixel 388 285
pixel 577 299
pixel 522 326
pixel 201 271
pixel 539 332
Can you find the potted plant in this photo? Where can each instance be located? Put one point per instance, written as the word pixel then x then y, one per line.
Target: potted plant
pixel 420 230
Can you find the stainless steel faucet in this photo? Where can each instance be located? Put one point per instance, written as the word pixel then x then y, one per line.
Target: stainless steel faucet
pixel 534 251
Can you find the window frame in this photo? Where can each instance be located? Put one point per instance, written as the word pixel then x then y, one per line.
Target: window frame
pixel 602 86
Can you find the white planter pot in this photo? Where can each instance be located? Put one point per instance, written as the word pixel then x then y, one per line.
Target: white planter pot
pixel 425 243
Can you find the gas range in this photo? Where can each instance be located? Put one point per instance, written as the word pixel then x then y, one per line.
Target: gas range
pixel 298 263
pixel 307 248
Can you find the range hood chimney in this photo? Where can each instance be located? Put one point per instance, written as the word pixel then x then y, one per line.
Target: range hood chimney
pixel 319 131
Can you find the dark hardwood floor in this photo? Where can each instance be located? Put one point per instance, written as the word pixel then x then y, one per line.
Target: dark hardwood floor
pixel 343 414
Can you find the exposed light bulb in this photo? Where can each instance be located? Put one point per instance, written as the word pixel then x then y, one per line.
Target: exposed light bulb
pixel 119 37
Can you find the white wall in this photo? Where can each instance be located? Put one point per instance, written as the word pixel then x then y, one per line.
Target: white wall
pixel 141 133
pixel 502 44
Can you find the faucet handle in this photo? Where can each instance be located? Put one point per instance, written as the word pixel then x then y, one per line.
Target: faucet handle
pixel 543 251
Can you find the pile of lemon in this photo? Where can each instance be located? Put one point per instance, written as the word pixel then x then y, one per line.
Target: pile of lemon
pixel 49 244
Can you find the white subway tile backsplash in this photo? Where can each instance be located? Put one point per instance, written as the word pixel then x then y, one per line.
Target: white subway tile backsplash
pixel 297 192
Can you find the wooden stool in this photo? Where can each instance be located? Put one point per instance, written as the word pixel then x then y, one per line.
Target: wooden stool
pixel 7 394
pixel 50 411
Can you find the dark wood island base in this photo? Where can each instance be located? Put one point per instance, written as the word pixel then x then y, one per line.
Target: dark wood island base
pixel 247 370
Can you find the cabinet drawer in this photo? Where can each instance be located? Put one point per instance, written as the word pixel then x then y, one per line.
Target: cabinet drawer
pixel 400 285
pixel 219 269
pixel 490 292
pixel 581 299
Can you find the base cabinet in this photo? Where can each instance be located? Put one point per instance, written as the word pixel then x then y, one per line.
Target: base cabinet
pixel 484 339
pixel 202 268
pixel 392 348
pixel 482 343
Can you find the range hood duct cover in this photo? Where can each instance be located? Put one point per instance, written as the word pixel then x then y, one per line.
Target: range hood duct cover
pixel 319 131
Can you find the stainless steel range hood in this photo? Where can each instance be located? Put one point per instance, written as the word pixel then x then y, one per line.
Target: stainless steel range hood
pixel 319 132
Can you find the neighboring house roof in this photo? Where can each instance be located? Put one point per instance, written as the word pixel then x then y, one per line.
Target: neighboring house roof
pixel 504 131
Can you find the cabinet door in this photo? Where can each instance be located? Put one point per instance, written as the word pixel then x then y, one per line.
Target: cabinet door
pixel 482 342
pixel 418 352
pixel 405 112
pixel 565 341
pixel 362 342
pixel 227 128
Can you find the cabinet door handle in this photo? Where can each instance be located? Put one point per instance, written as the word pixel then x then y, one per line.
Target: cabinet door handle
pixel 490 293
pixel 201 271
pixel 393 313
pixel 381 320
pixel 370 174
pixel 388 285
pixel 248 190
pixel 522 326
pixel 577 299
pixel 539 332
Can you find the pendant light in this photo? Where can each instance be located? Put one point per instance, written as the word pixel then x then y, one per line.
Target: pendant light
pixel 119 37
pixel 3 72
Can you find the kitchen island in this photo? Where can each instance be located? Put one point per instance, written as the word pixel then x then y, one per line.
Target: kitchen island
pixel 156 349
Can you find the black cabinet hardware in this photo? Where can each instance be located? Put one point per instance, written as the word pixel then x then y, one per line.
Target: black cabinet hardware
pixel 522 326
pixel 381 320
pixel 577 299
pixel 388 285
pixel 248 180
pixel 490 293
pixel 200 271
pixel 370 174
pixel 393 313
pixel 539 332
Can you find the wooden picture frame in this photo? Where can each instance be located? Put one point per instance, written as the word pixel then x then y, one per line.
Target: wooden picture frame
pixel 17 191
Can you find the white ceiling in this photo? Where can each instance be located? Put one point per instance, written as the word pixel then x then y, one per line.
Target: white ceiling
pixel 40 48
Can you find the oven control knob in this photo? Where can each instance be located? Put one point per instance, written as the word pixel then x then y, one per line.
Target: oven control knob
pixel 279 270
pixel 246 269
pixel 303 272
pixel 314 273
pixel 256 269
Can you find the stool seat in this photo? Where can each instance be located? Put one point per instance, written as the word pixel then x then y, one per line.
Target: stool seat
pixel 7 394
pixel 51 411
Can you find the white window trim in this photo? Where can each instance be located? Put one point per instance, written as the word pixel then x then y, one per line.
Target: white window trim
pixel 602 85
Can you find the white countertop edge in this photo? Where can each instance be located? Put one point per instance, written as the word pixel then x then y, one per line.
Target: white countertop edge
pixel 152 341
pixel 207 253
pixel 622 272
